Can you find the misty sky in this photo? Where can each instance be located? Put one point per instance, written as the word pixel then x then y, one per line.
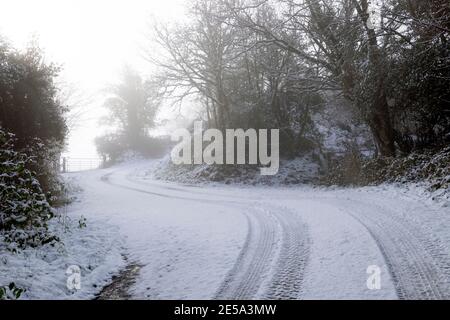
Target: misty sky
pixel 92 39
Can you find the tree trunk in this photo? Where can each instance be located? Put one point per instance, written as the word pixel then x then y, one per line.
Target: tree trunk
pixel 378 115
pixel 380 125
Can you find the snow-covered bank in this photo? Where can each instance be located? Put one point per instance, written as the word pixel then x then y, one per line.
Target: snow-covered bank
pixel 301 170
pixel 92 245
pixel 422 176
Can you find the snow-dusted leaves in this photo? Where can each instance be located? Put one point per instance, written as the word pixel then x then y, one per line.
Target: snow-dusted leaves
pixel 24 209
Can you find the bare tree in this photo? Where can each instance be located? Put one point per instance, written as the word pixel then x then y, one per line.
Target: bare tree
pixel 199 59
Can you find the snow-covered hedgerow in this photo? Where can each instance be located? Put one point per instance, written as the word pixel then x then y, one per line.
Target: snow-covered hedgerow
pixel 24 209
pixel 432 166
pixel 429 168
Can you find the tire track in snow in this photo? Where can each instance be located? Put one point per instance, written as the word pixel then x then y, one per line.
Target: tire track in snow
pixel 244 279
pixel 106 179
pixel 181 189
pixel 288 277
pixel 419 268
pixel 273 260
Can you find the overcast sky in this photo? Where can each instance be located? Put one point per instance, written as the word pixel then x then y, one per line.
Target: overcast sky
pixel 92 39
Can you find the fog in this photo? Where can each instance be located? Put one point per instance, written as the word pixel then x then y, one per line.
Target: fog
pixel 91 40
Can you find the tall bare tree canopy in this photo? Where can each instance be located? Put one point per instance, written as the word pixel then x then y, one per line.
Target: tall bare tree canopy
pixel 272 63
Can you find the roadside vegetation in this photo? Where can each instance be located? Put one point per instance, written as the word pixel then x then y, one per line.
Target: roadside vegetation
pixel 32 137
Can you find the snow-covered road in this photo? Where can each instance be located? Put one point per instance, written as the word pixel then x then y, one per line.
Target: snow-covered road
pixel 198 242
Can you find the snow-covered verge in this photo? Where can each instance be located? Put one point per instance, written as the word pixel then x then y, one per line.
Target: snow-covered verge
pixel 427 171
pixel 432 166
pixel 297 171
pixel 427 181
pixel 89 243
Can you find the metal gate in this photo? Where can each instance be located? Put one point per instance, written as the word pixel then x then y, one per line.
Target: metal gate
pixel 68 164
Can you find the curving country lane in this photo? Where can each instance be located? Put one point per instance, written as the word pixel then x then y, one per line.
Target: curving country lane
pixel 275 243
